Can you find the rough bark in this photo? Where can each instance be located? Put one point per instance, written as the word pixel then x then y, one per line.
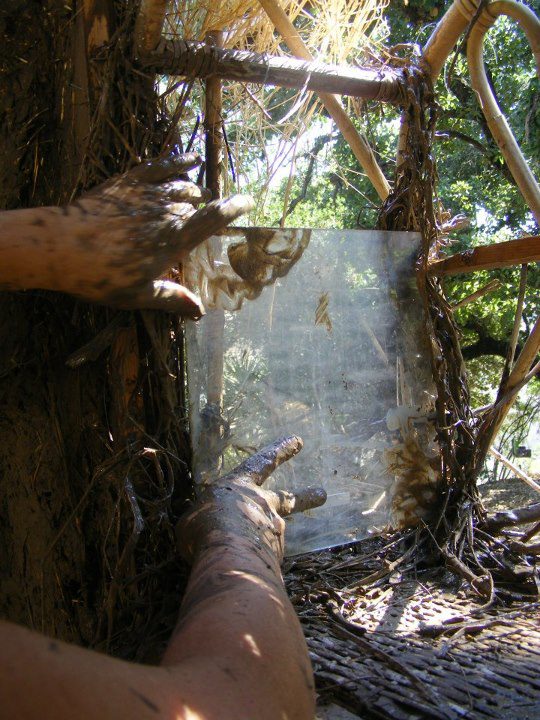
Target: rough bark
pixel 192 59
pixel 26 114
pixel 86 541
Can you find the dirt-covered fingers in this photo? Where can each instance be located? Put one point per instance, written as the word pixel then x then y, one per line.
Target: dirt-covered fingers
pixel 287 503
pixel 180 191
pixel 211 219
pixel 165 295
pixel 262 464
pixel 163 169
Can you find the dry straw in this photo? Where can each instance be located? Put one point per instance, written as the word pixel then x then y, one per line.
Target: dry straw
pixel 335 31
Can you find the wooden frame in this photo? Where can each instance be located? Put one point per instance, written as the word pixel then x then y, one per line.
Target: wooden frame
pixel 489 257
pixel 190 59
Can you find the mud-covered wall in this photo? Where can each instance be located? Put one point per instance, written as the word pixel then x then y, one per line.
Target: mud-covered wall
pixel 86 526
pixel 26 105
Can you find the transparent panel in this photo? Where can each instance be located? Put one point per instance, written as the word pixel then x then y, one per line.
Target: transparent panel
pixel 321 354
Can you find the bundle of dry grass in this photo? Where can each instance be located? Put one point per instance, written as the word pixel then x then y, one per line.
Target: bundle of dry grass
pixel 334 30
pixel 340 31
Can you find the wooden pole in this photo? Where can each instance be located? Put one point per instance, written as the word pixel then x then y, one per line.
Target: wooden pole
pixel 496 121
pixel 518 318
pixel 99 22
pixel 494 418
pixel 441 44
pixel 149 25
pixel 95 26
pixel 358 144
pixel 489 257
pixel 437 49
pixel 490 287
pixel 213 124
pixel 214 326
pixel 199 60
pixel 447 32
pixel 526 357
pixel 92 27
pixel 517 471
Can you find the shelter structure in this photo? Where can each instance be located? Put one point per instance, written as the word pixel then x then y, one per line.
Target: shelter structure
pixel 95 400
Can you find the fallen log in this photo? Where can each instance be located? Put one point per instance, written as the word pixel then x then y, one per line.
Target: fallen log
pixel 517 516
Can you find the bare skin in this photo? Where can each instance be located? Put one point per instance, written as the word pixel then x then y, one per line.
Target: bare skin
pixel 113 244
pixel 237 653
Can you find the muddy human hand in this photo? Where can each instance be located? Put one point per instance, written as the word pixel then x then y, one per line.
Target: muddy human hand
pixel 113 244
pixel 237 507
pixel 132 229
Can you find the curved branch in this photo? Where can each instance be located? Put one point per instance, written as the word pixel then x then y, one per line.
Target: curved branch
pixel 317 147
pixel 496 121
pixel 458 135
pixel 507 518
pixel 485 346
pixel 496 161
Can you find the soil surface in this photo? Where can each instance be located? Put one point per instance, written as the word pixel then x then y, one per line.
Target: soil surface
pixel 412 646
pixel 506 494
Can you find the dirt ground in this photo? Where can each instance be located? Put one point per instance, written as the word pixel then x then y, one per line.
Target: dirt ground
pixel 416 643
pixel 508 493
pixel 374 655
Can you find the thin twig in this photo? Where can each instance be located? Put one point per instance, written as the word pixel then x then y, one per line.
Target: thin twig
pixel 512 344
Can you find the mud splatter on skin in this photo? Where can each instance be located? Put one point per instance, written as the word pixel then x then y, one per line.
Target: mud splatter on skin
pixel 145 700
pixel 249 512
pixel 230 673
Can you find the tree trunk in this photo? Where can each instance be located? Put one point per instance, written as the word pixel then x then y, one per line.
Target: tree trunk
pixel 86 533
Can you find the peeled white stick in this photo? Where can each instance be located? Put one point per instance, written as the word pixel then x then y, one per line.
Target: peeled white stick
pixel 517 471
pixel 358 144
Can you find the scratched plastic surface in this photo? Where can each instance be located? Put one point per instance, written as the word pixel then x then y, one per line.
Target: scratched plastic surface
pixel 317 355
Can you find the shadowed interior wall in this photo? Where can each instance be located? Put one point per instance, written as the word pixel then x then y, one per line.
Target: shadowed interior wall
pixel 78 560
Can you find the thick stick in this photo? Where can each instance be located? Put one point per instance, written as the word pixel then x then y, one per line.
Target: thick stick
pixel 494 418
pixel 517 471
pixel 526 357
pixel 518 516
pixel 447 33
pixel 490 287
pixel 489 257
pixel 148 25
pixel 215 322
pixel 496 121
pixel 358 144
pixel 196 59
pixel 512 343
pixel 213 124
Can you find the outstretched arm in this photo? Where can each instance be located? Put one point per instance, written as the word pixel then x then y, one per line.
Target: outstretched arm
pixel 113 243
pixel 238 650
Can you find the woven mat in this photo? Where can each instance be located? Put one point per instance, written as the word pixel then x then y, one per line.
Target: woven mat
pixel 404 645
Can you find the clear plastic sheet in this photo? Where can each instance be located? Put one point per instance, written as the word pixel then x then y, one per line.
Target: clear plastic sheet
pixel 323 354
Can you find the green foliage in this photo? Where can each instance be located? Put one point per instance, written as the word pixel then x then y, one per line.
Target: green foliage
pixel 473 179
pixel 244 372
pixel 325 187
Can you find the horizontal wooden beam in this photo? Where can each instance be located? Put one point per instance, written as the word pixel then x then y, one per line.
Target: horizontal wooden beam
pixel 199 60
pixel 488 257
